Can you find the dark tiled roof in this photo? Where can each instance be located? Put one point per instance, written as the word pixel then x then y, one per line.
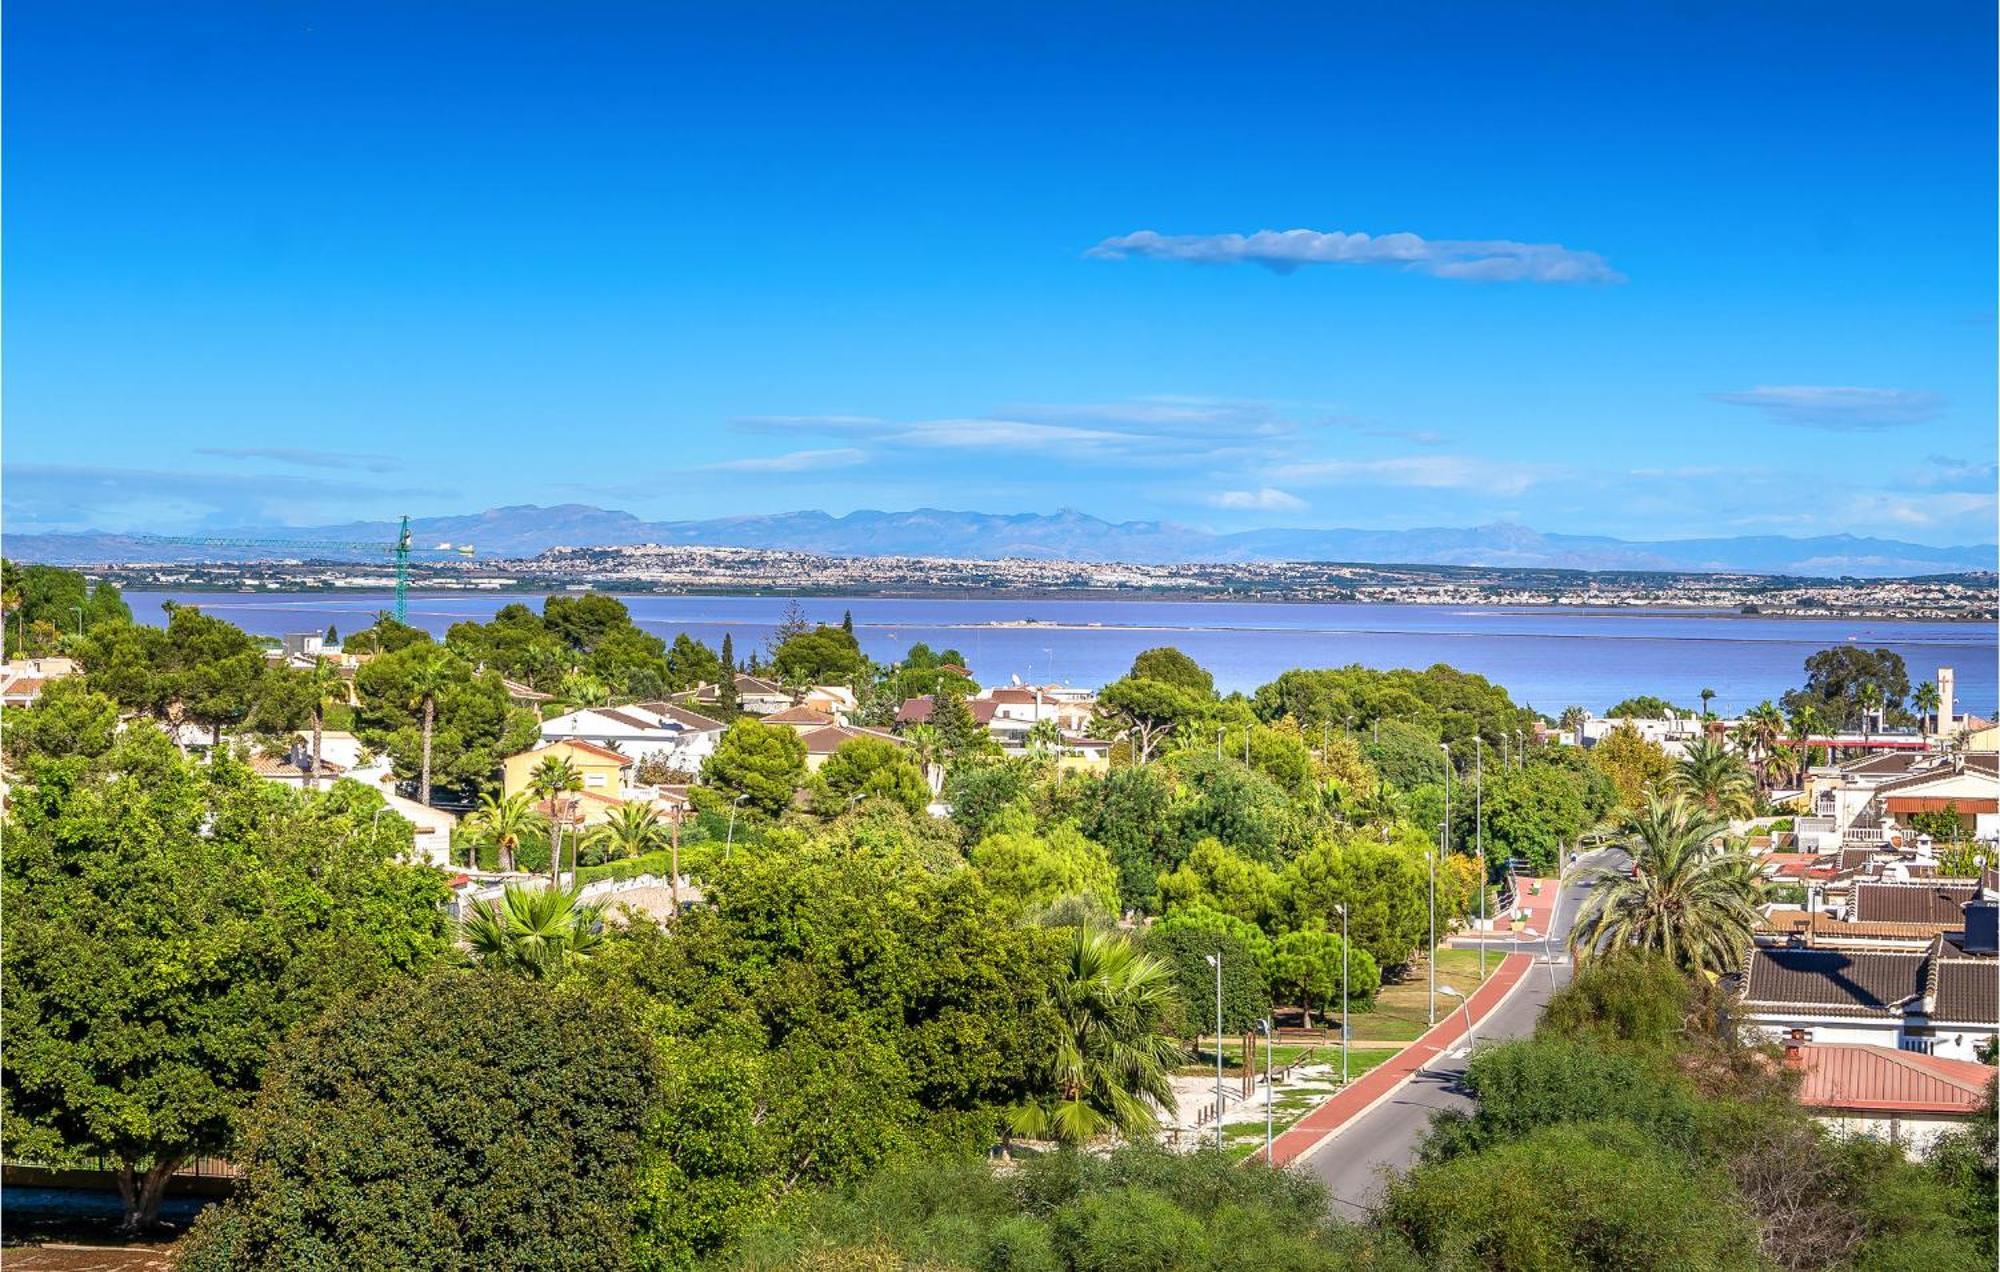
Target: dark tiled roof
pixel 1881 902
pixel 1833 982
pixel 1966 991
pixel 687 719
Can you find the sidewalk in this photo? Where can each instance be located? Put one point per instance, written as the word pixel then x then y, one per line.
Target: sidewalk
pixel 1379 1082
pixel 1541 908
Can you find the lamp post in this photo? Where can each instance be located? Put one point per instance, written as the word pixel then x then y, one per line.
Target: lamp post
pixel 1520 749
pixel 729 840
pixel 1431 893
pixel 1264 1027
pixel 1343 993
pixel 1555 921
pixel 1479 839
pixel 1218 743
pixel 1215 961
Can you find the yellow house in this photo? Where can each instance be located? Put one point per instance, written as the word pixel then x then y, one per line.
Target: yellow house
pixel 602 769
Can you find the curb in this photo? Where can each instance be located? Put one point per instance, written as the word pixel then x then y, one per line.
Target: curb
pixel 1334 1132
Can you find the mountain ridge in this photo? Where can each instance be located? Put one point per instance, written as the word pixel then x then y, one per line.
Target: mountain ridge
pixel 523 530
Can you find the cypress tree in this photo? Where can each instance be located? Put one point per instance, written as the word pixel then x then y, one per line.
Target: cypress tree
pixel 847 621
pixel 332 634
pixel 726 689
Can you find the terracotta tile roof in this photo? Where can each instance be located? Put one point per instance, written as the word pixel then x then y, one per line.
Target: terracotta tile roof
pixel 756 684
pixel 1786 921
pixel 691 720
pixel 264 765
pixel 1885 902
pixel 918 710
pixel 1857 1078
pixel 1833 982
pixel 830 739
pixel 1965 991
pixel 798 715
pixel 1826 926
pixel 516 690
pixel 589 748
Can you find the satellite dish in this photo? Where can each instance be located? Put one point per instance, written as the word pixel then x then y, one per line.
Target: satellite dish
pixel 1016 678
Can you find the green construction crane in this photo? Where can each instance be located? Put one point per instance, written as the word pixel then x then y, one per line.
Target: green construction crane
pixel 401 551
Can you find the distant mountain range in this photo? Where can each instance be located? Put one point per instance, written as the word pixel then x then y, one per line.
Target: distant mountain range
pixel 523 531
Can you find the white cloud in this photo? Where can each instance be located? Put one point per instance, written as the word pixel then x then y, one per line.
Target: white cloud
pixel 306 458
pixel 1941 508
pixel 1265 499
pixel 1837 409
pixel 808 423
pixel 801 461
pixel 1430 472
pixel 1479 260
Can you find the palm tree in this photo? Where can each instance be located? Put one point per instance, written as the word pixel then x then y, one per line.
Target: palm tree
pixel 927 748
pixel 1784 765
pixel 1926 700
pixel 1707 696
pixel 507 824
pixel 632 830
pixel 1111 1063
pixel 553 778
pixel 1716 778
pixel 1869 698
pixel 1686 896
pixel 431 676
pixel 1572 719
pixel 536 932
pixel 323 682
pixel 1044 739
pixel 1806 721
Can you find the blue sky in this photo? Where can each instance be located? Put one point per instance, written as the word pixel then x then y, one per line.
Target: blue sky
pixel 1646 270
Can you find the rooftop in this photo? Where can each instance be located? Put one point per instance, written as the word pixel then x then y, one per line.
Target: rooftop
pixel 1858 1078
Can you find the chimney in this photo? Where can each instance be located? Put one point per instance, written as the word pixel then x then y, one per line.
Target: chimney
pixel 1944 688
pixel 1795 1049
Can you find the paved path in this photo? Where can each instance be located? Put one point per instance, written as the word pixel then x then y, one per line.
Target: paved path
pixel 1376 1124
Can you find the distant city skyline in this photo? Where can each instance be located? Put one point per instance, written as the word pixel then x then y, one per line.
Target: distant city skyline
pixel 1663 273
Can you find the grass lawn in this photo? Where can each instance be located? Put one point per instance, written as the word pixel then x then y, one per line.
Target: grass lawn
pixel 1232 1055
pixel 1398 1013
pixel 1240 1139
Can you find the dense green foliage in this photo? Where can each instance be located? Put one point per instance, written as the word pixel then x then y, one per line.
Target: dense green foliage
pixel 167 921
pixel 1629 1132
pixel 44 605
pixel 472 1120
pixel 473 724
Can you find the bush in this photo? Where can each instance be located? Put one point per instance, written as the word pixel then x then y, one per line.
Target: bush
pixel 475 1120
pixel 1526 1085
pixel 1588 1195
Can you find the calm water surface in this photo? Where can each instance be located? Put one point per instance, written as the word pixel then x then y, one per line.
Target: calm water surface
pixel 1548 657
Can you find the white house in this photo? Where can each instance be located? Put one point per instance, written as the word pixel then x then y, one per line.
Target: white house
pixel 661 731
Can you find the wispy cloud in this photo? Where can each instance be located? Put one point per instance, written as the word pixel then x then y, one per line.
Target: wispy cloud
pixel 348 460
pixel 799 461
pixel 102 497
pixel 1478 260
pixel 1944 472
pixel 1428 472
pixel 1838 409
pixel 1265 499
pixel 807 423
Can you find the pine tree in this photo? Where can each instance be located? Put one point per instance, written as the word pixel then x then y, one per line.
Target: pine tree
pixel 794 623
pixel 847 621
pixel 332 634
pixel 957 730
pixel 725 690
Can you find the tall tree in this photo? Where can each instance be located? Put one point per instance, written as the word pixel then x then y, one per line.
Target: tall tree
pixel 762 764
pixel 323 685
pixel 429 679
pixel 167 922
pixel 1686 896
pixel 1926 700
pixel 1707 696
pixel 1110 1061
pixel 1716 778
pixel 553 778
pixel 477 1120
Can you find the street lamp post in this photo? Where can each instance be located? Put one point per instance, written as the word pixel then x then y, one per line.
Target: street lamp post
pixel 1479 839
pixel 1430 860
pixel 1555 921
pixel 1520 749
pixel 1343 993
pixel 1215 961
pixel 1266 1028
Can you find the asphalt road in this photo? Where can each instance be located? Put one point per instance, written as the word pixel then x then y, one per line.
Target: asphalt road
pixel 1385 1139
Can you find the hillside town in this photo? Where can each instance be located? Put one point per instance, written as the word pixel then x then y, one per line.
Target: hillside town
pixel 651 568
pixel 1339 887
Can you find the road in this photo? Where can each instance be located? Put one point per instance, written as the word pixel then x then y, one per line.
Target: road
pixel 1386 1137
